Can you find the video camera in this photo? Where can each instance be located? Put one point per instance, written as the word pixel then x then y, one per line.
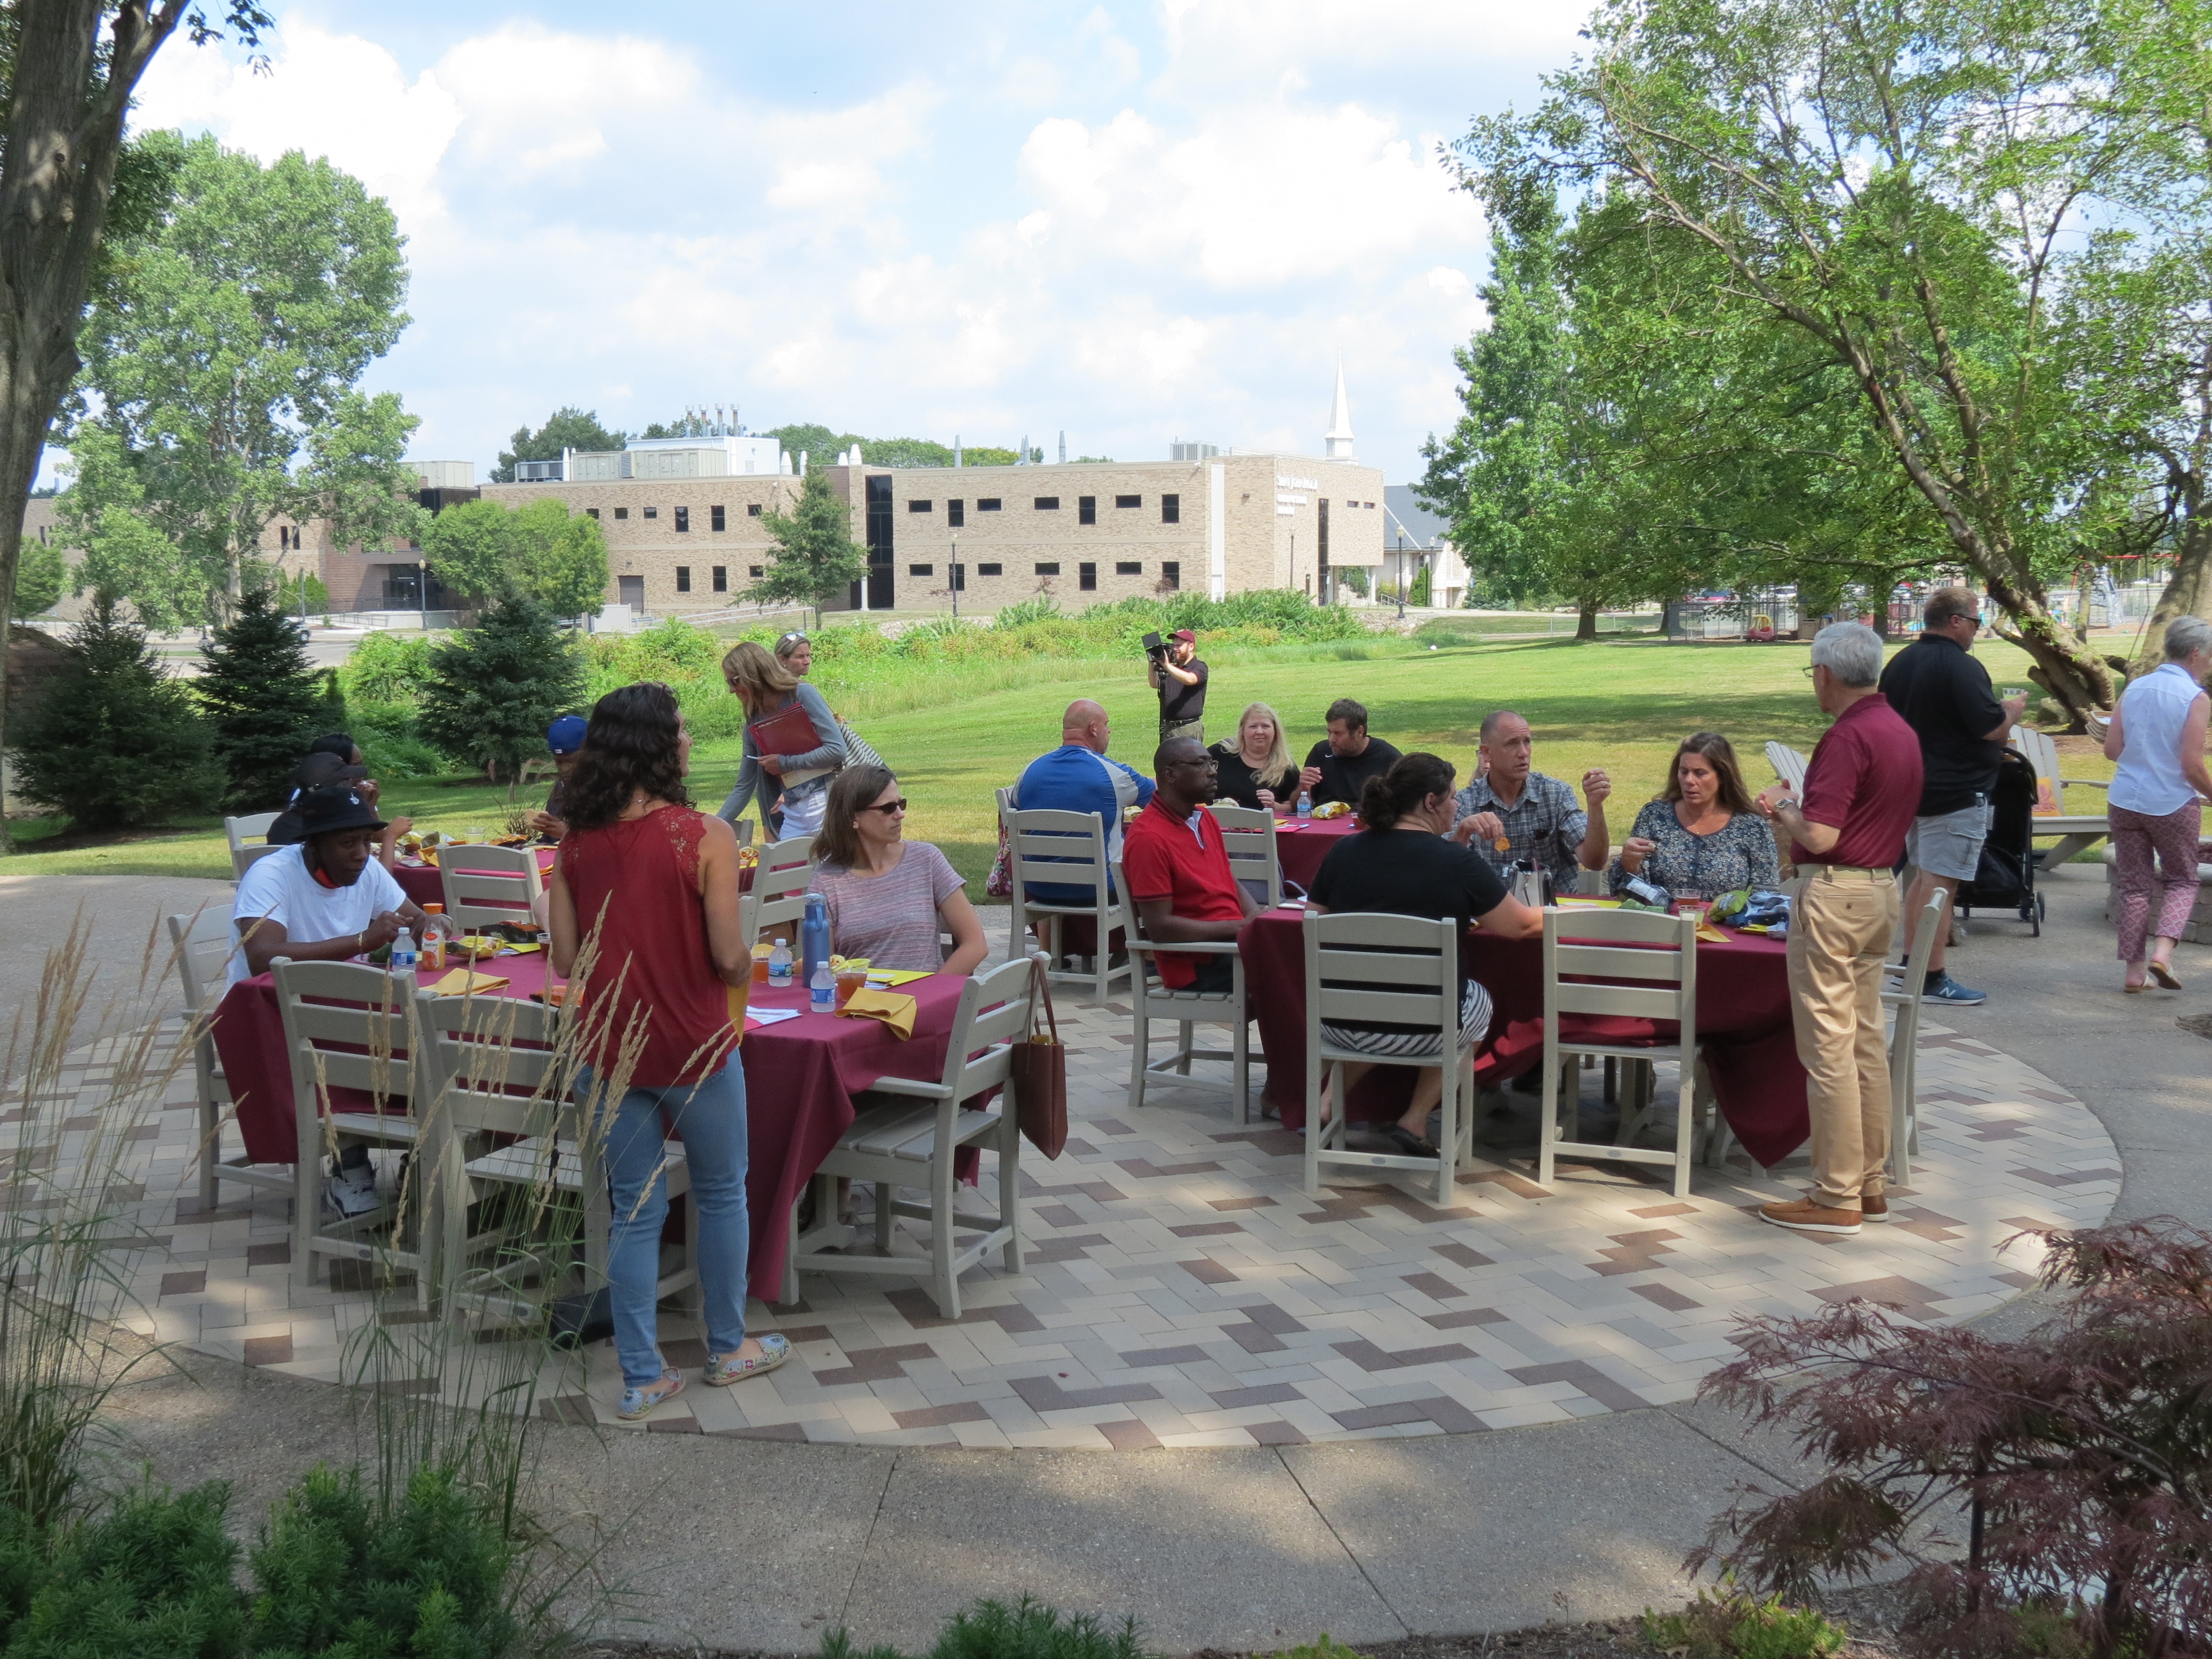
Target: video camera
pixel 1156 648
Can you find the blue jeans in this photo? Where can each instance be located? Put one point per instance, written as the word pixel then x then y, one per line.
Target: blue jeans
pixel 710 1117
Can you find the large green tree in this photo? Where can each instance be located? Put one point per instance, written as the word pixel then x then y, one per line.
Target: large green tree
pixel 1907 187
pixel 223 378
pixel 568 428
pixel 815 557
pixel 540 551
pixel 40 580
pixel 67 183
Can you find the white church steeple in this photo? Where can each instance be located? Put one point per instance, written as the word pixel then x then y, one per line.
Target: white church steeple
pixel 1339 436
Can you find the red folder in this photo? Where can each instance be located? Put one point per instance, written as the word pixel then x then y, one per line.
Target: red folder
pixel 789 731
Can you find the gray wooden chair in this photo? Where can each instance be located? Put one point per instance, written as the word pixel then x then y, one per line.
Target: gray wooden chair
pixel 1151 999
pixel 1064 849
pixel 203 943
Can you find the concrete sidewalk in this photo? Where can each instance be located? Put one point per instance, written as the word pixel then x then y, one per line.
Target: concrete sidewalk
pixel 747 1544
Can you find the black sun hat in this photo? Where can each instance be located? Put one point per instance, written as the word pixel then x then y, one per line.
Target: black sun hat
pixel 332 807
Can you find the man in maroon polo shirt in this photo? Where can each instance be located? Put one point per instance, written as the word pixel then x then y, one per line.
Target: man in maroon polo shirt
pixel 1861 789
pixel 1177 868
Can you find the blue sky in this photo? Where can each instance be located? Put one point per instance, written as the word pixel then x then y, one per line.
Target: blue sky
pixel 1132 222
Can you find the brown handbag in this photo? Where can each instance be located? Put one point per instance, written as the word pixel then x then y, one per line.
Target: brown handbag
pixel 1037 1069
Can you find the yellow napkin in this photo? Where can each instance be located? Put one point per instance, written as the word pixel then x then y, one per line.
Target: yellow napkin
pixel 738 996
pixel 894 1008
pixel 1710 934
pixel 506 949
pixel 879 977
pixel 463 981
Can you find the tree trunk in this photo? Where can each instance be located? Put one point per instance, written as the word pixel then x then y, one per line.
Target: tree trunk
pixel 2065 668
pixel 2188 593
pixel 1586 622
pixel 64 133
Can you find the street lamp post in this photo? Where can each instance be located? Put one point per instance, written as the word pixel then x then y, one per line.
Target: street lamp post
pixel 1401 575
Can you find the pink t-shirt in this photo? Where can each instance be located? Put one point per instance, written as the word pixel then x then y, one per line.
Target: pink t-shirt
pixel 891 919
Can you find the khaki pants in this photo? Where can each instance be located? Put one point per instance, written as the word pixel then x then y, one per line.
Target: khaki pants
pixel 1194 730
pixel 1840 932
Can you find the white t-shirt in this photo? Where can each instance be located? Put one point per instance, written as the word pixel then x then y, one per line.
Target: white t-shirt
pixel 279 889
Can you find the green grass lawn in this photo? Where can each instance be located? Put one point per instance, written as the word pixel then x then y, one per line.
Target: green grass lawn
pixel 1621 704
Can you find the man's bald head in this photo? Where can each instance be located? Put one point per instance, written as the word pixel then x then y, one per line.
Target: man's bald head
pixel 1084 725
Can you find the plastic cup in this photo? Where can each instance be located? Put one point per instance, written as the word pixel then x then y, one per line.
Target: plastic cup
pixel 849 980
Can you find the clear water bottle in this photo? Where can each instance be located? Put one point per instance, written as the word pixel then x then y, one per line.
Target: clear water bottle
pixel 779 964
pixel 822 988
pixel 403 953
pixel 1305 803
pixel 813 938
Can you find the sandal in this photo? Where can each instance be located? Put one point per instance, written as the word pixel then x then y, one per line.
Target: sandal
pixel 2163 975
pixel 723 1368
pixel 1408 1144
pixel 643 1402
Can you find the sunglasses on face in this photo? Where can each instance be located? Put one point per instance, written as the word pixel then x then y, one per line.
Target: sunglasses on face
pixel 887 807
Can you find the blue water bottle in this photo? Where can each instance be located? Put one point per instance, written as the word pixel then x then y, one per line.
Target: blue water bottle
pixel 813 938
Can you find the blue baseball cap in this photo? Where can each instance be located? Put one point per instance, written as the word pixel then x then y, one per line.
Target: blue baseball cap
pixel 566 735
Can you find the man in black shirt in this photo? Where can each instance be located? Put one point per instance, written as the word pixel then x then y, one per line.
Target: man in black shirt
pixel 1180 679
pixel 1944 695
pixel 1339 769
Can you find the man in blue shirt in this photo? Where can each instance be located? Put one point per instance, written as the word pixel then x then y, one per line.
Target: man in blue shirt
pixel 1077 777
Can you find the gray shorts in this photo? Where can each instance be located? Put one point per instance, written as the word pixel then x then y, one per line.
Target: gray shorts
pixel 1949 843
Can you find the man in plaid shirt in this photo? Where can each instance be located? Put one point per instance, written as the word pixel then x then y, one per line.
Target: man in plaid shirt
pixel 1512 813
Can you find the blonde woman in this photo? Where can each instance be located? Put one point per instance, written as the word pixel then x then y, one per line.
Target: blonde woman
pixel 1255 766
pixel 790 789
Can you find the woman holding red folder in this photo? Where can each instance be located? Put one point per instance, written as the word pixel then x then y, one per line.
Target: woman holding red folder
pixel 793 744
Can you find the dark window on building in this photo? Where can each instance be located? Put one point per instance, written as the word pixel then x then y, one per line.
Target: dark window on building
pixel 1052 569
pixel 1086 509
pixel 921 506
pixel 718 518
pixel 622 513
pixel 921 570
pixel 755 572
pixel 882 537
pixel 955 513
pixel 682 520
pixel 753 510
pixel 683 579
pixel 591 512
pixel 1171 573
pixel 1086 578
pixel 990 569
pixel 652 511
pixel 1170 509
pixel 1129 501
pixel 987 504
pixel 1129 567
pixel 721 578
pixel 1047 503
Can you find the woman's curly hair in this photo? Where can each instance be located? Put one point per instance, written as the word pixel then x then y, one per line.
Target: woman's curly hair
pixel 633 746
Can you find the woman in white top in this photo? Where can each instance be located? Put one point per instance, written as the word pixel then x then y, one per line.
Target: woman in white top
pixel 2157 736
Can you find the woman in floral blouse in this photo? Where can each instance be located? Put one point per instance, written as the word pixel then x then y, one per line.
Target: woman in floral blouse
pixel 1701 838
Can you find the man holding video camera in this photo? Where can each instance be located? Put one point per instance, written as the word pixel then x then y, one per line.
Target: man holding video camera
pixel 1180 679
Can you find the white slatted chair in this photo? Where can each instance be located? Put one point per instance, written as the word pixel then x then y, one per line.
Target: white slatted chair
pixel 202 944
pixel 246 836
pixel 1660 953
pixel 915 1138
pixel 1149 998
pixel 490 1072
pixel 487 885
pixel 1789 765
pixel 1249 835
pixel 365 1041
pixel 1364 969
pixel 1901 992
pixel 780 885
pixel 1066 849
pixel 2077 831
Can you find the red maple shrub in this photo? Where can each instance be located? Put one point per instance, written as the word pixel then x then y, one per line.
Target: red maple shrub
pixel 2077 1460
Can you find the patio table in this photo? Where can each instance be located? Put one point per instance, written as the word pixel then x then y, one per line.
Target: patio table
pixel 1302 844
pixel 1743 1028
pixel 800 1077
pixel 424 885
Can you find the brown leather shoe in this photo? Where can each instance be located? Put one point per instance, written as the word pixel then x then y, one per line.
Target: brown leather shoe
pixel 1802 1215
pixel 1874 1208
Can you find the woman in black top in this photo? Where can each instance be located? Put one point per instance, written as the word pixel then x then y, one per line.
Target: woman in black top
pixel 1403 863
pixel 1255 766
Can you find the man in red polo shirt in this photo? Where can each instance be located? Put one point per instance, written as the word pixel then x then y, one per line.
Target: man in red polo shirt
pixel 1177 868
pixel 1861 789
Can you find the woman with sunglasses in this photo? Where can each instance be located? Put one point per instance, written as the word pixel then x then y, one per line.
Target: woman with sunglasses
pixel 890 897
pixel 794 785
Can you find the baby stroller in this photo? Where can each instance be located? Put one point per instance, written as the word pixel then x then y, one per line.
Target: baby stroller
pixel 2006 878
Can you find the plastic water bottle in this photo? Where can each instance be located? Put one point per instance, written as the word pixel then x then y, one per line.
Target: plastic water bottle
pixel 814 937
pixel 437 937
pixel 403 953
pixel 779 964
pixel 822 988
pixel 1305 803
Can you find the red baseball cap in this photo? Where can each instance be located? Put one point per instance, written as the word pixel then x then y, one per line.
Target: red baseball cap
pixel 1185 635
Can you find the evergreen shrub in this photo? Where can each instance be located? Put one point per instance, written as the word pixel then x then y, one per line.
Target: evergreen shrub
pixel 493 690
pixel 992 1630
pixel 264 700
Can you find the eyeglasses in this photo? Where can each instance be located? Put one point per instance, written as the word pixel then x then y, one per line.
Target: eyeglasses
pixel 887 807
pixel 1196 760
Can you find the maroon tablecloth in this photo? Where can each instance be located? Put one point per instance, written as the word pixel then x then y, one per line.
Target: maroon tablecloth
pixel 1743 1028
pixel 800 1077
pixel 1302 844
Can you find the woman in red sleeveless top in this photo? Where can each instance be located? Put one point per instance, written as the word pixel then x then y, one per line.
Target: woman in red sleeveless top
pixel 652 886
